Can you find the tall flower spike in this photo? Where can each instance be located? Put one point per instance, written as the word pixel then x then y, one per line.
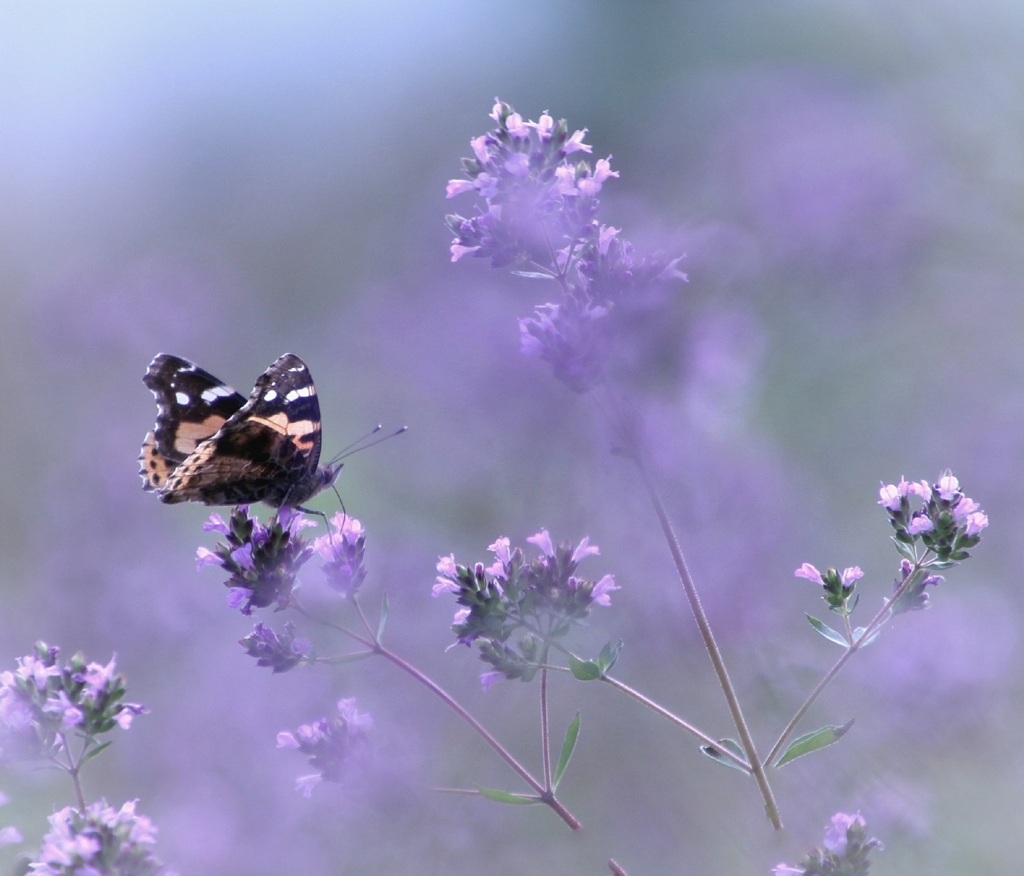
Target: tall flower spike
pixel 539 216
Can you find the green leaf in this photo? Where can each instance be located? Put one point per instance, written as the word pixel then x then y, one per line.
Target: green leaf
pixel 609 656
pixel 91 754
pixel 507 797
pixel 568 744
pixel 383 617
pixel 584 670
pixel 731 745
pixel 825 630
pixel 532 275
pixel 813 741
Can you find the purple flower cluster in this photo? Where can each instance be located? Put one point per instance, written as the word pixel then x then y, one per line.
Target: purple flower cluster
pixel 537 201
pixel 328 743
pixel 342 552
pixel 839 586
pixel 947 524
pixel 844 852
pixel 42 702
pixel 99 840
pixel 262 561
pixel 539 216
pixel 541 600
pixel 280 652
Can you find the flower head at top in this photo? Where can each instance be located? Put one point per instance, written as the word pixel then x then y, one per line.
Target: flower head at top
pixel 538 216
pixel 328 743
pixel 98 840
pixel 42 701
pixel 514 609
pixel 946 522
pixel 262 561
pixel 844 852
pixel 342 552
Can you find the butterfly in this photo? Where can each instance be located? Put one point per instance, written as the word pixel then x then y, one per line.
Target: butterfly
pixel 212 445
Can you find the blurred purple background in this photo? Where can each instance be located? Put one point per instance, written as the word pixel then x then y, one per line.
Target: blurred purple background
pixel 229 182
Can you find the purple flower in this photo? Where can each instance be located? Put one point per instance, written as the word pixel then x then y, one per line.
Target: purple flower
pixel 946 526
pixel 328 743
pixel 279 652
pixel 845 851
pixel 514 609
pixel 343 552
pixel 42 700
pixel 99 840
pixel 835 839
pixel 262 562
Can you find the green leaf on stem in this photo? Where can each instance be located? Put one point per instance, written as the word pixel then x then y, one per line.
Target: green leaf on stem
pixel 568 744
pixel 825 630
pixel 532 275
pixel 731 745
pixel 383 617
pixel 609 656
pixel 905 550
pixel 584 670
pixel 813 741
pixel 94 751
pixel 508 797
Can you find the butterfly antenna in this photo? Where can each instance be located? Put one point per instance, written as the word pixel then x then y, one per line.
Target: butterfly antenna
pixel 368 440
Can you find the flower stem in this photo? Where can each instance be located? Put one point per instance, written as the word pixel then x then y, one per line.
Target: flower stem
pixel 543 790
pixel 873 626
pixel 675 719
pixel 544 728
pixel 631 443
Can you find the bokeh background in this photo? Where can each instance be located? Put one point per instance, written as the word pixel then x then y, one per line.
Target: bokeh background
pixel 232 181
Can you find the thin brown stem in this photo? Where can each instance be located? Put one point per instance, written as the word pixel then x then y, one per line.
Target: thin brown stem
pixel 543 793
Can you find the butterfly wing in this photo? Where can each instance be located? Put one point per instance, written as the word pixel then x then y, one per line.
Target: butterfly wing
pixel 268 450
pixel 192 405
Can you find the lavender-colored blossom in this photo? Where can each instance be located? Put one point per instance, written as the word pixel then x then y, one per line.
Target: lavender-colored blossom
pixel 328 743
pixel 810 573
pixel 280 652
pixel 43 699
pixel 100 840
pixel 538 600
pixel 343 552
pixel 10 835
pixel 845 850
pixel 835 839
pixel 947 525
pixel 539 216
pixel 263 562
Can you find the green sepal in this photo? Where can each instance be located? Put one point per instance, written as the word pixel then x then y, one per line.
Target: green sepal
pixel 508 797
pixel 572 733
pixel 584 670
pixel 813 741
pixel 733 746
pixel 823 629
pixel 383 617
